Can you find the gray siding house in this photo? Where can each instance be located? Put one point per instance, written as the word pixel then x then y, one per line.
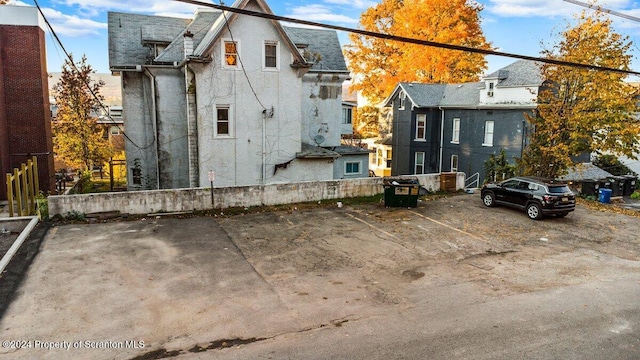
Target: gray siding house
pixel 241 99
pixel 456 127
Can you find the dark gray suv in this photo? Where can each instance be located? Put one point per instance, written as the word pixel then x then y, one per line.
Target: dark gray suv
pixel 538 197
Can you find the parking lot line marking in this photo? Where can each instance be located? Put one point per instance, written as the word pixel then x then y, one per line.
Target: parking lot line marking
pixel 450 227
pixel 366 223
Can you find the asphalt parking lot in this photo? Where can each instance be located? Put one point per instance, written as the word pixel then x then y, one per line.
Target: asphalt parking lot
pixel 204 286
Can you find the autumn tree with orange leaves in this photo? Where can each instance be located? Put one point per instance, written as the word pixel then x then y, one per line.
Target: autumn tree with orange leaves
pixel 583 110
pixel 379 65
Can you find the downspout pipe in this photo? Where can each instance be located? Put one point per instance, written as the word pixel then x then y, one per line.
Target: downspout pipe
pixel 192 126
pixel 154 121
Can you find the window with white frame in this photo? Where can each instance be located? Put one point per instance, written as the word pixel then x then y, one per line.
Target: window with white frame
pixel 419 161
pixel 347 114
pixel 352 167
pixel 421 126
pixel 372 157
pixel 270 57
pixel 223 121
pixel 454 163
pixel 403 97
pixel 488 133
pixel 455 134
pixel 380 158
pixel 230 50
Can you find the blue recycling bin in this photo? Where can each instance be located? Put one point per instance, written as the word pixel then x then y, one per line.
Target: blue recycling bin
pixel 605 195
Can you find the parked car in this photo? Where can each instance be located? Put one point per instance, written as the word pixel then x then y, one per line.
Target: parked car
pixel 536 196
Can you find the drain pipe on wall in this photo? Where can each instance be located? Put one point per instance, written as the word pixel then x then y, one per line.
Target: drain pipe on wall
pixel 154 120
pixel 192 126
pixel 441 138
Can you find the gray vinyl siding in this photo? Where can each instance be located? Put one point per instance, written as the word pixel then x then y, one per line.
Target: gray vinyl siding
pixel 509 133
pixel 401 162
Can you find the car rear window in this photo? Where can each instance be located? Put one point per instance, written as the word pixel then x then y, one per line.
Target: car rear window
pixel 559 189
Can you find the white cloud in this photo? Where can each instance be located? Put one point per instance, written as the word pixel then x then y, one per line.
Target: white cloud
pixel 546 8
pixel 320 13
pixel 356 4
pixel 154 7
pixel 530 8
pixel 72 25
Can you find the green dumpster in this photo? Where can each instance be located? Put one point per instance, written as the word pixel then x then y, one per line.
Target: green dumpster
pixel 401 191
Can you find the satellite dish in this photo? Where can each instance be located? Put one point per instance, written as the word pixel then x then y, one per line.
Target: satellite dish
pixel 319 139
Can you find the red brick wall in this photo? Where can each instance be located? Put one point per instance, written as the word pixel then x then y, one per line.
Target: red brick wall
pixel 24 103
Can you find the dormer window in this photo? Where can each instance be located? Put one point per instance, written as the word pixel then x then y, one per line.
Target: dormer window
pixel 403 97
pixel 490 91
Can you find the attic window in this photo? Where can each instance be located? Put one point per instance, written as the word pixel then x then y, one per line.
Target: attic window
pixel 403 96
pixel 271 49
pixel 230 58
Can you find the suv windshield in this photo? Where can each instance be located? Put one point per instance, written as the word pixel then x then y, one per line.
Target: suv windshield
pixel 559 189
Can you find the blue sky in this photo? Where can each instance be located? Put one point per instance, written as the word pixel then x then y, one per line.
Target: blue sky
pixel 514 26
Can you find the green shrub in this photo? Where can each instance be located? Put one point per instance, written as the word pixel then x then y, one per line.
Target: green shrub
pixel 42 206
pixel 635 195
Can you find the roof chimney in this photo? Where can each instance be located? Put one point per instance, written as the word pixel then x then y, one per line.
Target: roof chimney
pixel 188 44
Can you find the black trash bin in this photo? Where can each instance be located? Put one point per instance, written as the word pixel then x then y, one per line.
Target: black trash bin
pixel 630 185
pixel 401 191
pixel 617 185
pixel 589 187
pixel 605 183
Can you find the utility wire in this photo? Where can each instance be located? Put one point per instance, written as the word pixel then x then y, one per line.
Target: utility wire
pixel 407 39
pixel 244 71
pixel 601 9
pixel 95 96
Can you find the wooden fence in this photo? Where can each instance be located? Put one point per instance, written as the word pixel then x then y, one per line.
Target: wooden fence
pixel 23 188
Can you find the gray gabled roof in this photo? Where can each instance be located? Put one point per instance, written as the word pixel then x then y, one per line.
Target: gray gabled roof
pixel 198 27
pixel 440 95
pixel 585 171
pixel 519 73
pixel 128 32
pixel 462 95
pixel 315 152
pixel 351 150
pixel 323 42
pixel 467 95
pixel 204 48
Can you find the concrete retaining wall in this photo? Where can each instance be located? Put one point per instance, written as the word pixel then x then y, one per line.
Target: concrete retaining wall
pixel 175 200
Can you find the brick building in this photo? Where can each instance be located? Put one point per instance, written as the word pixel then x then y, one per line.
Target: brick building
pixel 25 118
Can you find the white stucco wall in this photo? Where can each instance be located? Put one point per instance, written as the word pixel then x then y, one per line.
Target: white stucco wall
pixel 238 158
pixel 171 110
pixel 305 170
pixel 322 108
pixel 140 128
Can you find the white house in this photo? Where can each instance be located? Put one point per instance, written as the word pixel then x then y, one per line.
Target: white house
pixel 238 98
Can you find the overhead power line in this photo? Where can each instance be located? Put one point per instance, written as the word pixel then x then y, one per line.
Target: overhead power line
pixel 407 39
pixel 73 64
pixel 601 9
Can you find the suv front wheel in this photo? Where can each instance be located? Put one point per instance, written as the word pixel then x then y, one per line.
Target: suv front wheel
pixel 488 199
pixel 534 211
